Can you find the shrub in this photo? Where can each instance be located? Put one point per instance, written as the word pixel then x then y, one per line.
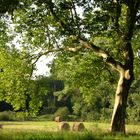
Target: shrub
pixel 7 116
pixel 22 116
pixel 45 117
pixel 73 118
pixel 48 110
pixel 105 115
pixel 63 112
pixel 91 116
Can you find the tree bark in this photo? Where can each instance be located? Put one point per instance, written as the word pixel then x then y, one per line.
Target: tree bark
pixel 124 83
pixel 118 117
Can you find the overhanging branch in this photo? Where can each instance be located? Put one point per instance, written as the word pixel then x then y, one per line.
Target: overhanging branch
pixel 54 51
pixel 85 44
pixel 105 55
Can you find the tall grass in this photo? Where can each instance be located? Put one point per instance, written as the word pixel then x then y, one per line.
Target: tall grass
pixel 31 130
pixel 44 135
pixel 37 135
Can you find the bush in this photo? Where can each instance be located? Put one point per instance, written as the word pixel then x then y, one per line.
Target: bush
pixel 73 118
pixel 22 116
pixel 48 110
pixel 63 112
pixel 45 117
pixel 105 115
pixel 91 116
pixel 14 116
pixel 7 116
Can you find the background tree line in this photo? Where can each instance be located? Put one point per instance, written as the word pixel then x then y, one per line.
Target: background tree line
pixel 65 95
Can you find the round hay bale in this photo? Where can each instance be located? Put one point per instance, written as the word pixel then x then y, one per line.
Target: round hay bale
pixel 64 126
pixel 78 126
pixel 57 119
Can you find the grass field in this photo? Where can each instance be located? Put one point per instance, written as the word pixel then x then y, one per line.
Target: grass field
pixel 46 130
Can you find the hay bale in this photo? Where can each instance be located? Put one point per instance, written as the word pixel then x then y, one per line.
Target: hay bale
pixel 64 126
pixel 57 119
pixel 78 126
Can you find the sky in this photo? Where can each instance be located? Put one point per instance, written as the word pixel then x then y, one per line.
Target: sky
pixel 42 68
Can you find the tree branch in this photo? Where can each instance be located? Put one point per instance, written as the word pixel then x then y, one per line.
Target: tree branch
pixel 86 44
pixel 117 10
pixel 55 51
pixel 107 58
pixel 131 18
pixel 64 25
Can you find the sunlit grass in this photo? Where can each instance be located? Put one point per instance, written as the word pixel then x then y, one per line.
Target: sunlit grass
pixel 30 130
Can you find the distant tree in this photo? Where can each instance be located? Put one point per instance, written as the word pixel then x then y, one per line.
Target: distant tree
pixel 87 94
pixel 42 90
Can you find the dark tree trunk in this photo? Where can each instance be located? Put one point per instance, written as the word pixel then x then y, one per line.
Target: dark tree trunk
pixel 118 117
pixel 124 83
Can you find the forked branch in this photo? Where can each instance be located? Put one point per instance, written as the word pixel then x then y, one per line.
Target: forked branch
pixel 105 55
pixel 36 58
pixel 85 44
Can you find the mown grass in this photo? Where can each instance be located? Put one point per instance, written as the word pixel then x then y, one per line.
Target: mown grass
pixel 32 130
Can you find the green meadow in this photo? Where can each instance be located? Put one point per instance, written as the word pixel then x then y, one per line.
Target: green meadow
pixel 48 130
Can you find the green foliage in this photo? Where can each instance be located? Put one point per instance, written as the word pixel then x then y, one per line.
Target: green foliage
pixel 7 116
pixel 105 114
pixel 45 117
pixel 73 118
pixel 133 106
pixel 77 109
pixel 22 116
pixel 8 5
pixel 14 78
pixel 41 92
pixel 133 110
pixel 48 110
pixel 90 86
pixel 63 112
pixel 14 116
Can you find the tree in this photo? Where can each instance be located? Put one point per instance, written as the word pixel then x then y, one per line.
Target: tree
pixel 16 68
pixel 14 78
pixel 42 90
pixel 56 25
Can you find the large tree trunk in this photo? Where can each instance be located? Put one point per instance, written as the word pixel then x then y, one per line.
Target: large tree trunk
pixel 118 117
pixel 125 81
